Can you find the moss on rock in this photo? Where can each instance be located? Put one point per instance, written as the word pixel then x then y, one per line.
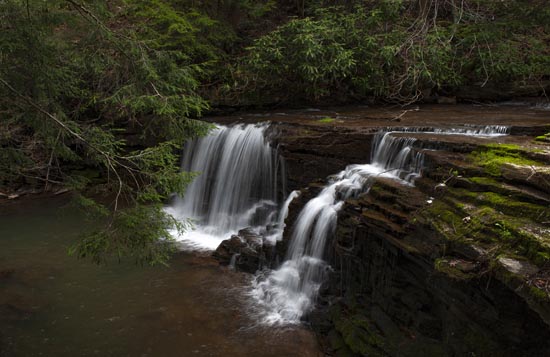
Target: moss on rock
pixel 493 156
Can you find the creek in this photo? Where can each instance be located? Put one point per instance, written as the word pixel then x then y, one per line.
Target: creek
pixel 52 304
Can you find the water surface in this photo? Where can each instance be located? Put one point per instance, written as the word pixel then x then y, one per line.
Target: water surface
pixel 55 305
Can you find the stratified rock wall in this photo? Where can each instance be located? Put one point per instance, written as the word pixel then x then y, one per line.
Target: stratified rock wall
pixel 387 296
pixel 418 271
pixel 312 153
pixel 455 266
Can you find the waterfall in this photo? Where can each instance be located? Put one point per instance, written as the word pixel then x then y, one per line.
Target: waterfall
pixel 474 130
pixel 236 186
pixel 279 228
pixel 286 294
pixel 468 130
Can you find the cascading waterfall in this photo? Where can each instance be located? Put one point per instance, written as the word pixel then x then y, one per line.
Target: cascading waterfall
pixel 487 131
pixel 468 130
pixel 286 294
pixel 236 186
pixel 277 232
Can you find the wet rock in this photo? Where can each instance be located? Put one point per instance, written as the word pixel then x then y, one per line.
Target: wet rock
pixel 470 251
pixel 243 251
pixel 384 258
pixel 390 297
pixel 538 177
pixel 312 153
pixel 514 266
pixel 228 248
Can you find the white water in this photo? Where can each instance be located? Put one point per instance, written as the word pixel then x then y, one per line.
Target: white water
pixel 286 294
pixel 278 230
pixel 468 130
pixel 236 188
pixel 473 130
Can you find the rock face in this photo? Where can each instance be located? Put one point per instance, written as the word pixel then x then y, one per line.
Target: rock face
pixel 456 266
pixel 312 153
pixel 244 251
pixel 393 293
pixel 445 268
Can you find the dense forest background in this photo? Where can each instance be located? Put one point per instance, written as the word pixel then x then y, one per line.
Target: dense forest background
pixel 98 96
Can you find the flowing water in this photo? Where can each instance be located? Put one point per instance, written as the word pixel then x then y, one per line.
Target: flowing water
pixel 286 294
pixel 277 232
pixel 236 188
pixel 52 304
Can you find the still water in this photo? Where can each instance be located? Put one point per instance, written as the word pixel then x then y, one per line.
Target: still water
pixel 52 304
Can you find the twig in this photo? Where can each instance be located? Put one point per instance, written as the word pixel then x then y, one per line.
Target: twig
pixel 109 158
pixel 50 161
pixel 398 118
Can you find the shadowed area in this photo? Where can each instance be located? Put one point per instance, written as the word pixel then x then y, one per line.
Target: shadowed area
pixel 54 305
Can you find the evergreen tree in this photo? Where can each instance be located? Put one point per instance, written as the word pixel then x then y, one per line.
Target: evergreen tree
pixel 77 80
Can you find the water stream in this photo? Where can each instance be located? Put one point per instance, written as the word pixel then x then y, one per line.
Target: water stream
pixel 52 304
pixel 285 295
pixel 236 187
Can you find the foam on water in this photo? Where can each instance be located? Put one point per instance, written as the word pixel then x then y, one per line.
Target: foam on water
pixel 279 228
pixel 236 186
pixel 284 295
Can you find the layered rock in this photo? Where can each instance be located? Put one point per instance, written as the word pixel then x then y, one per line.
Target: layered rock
pixel 454 266
pixel 458 265
pixel 400 287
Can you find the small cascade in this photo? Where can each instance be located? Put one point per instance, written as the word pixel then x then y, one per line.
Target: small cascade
pixel 236 186
pixel 286 294
pixel 487 131
pixel 233 261
pixel 473 130
pixel 397 156
pixel 277 233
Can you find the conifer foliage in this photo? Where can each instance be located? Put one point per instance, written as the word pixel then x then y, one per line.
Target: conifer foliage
pixel 92 101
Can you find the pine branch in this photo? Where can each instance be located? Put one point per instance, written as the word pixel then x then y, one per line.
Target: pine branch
pixel 111 160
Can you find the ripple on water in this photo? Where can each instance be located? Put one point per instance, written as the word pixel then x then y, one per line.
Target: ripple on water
pixel 191 307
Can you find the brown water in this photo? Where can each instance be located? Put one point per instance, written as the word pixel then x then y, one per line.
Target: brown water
pixel 54 305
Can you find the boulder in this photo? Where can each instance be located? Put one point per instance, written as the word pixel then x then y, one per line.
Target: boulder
pixel 242 251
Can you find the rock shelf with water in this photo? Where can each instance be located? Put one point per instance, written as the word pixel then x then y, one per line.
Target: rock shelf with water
pixel 424 270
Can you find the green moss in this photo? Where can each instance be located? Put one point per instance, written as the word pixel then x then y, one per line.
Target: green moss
pixel 538 294
pixel 442 265
pixel 486 181
pixel 326 120
pixel 544 138
pixel 535 249
pixel 359 335
pixel 515 207
pixel 495 221
pixel 491 157
pixel 448 218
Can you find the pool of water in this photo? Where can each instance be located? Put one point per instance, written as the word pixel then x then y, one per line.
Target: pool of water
pixel 52 304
